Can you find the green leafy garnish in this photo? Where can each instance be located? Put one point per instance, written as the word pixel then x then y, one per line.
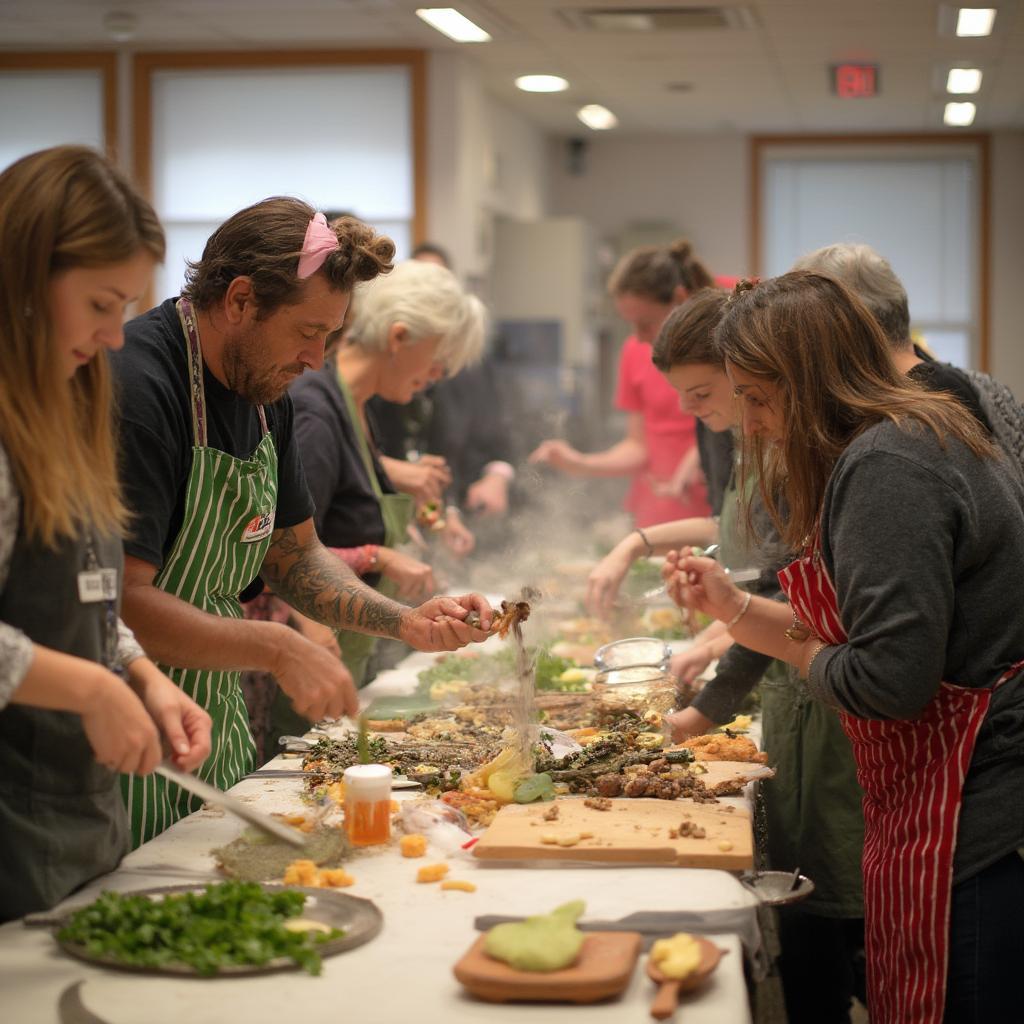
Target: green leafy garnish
pixel 229 924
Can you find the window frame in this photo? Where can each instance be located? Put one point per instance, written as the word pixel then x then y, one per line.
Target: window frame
pixel 102 61
pixel 978 143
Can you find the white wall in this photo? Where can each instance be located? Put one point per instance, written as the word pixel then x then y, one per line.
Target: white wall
pixel 1006 329
pixel 698 182
pixel 485 161
pixel 701 183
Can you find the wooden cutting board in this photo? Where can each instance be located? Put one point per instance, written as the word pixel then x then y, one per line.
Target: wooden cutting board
pixel 727 771
pixel 631 832
pixel 603 969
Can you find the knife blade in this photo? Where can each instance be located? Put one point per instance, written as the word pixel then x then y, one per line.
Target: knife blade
pixel 212 795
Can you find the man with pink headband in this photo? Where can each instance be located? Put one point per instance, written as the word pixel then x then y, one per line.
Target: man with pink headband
pixel 211 471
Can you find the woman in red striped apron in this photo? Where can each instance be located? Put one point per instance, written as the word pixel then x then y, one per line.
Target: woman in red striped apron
pixel 904 616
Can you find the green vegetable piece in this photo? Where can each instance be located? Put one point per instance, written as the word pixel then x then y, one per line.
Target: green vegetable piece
pixel 545 942
pixel 534 787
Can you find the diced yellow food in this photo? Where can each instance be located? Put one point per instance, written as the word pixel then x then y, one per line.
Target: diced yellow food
pixel 414 845
pixel 335 878
pixel 741 723
pixel 725 845
pixel 569 840
pixel 503 782
pixel 301 872
pixel 573 675
pixel 432 872
pixel 457 885
pixel 677 957
pixel 293 819
pixel 549 838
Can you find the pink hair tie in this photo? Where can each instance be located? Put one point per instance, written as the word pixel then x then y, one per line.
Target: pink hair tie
pixel 319 243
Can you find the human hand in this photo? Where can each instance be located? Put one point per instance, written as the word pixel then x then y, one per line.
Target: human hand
pixel 604 581
pixel 488 496
pixel 558 455
pixel 688 664
pixel 457 537
pixel 412 577
pixel 439 624
pixel 426 479
pixel 686 723
pixel 185 726
pixel 700 585
pixel 121 732
pixel 314 678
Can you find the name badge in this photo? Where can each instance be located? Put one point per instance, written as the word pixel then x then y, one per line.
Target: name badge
pixel 259 527
pixel 97 585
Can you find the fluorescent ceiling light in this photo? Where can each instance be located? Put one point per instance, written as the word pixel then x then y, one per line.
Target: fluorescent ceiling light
pixel 541 83
pixel 975 21
pixel 963 80
pixel 593 115
pixel 959 115
pixel 454 25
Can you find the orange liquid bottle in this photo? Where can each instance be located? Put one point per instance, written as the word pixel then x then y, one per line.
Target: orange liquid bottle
pixel 368 804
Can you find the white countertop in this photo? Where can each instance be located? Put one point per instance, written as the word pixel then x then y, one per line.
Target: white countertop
pixel 403 975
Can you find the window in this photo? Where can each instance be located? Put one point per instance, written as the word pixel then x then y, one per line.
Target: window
pixel 340 137
pixel 919 207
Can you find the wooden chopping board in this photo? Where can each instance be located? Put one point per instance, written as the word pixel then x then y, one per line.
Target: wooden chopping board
pixel 631 832
pixel 603 969
pixel 727 771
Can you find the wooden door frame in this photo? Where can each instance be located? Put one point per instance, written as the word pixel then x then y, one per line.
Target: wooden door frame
pixel 145 64
pixel 981 141
pixel 105 62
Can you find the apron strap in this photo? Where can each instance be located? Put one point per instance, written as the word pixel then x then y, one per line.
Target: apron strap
pixel 197 392
pixel 357 426
pixel 187 316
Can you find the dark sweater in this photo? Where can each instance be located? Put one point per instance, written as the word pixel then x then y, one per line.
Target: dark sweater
pixel 925 548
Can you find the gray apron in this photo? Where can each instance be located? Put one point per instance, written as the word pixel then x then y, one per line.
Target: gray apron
pixel 62 820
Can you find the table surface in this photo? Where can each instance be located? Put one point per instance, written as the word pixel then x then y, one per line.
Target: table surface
pixel 405 974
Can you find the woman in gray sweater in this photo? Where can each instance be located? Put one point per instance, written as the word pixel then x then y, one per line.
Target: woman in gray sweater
pixel 903 615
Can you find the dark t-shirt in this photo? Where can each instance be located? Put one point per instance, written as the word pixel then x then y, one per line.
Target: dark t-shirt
pixel 936 376
pixel 347 511
pixel 156 438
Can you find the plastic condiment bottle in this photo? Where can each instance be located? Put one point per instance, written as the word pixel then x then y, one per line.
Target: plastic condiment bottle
pixel 368 804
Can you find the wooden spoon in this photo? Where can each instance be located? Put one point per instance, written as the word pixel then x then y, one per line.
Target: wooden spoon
pixel 667 997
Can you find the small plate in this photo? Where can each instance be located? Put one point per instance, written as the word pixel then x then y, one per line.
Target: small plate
pixel 360 919
pixel 772 888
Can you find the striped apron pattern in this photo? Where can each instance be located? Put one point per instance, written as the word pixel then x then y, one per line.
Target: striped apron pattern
pixel 229 518
pixel 912 773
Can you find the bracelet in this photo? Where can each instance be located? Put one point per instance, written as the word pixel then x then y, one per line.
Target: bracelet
pixel 818 648
pixel 647 543
pixel 797 631
pixel 739 615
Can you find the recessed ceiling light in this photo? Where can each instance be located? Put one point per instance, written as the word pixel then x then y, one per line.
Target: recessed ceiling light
pixel 593 115
pixel 959 115
pixel 454 25
pixel 541 83
pixel 963 80
pixel 975 21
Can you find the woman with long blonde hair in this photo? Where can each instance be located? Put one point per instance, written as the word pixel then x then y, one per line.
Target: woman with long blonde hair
pixel 903 616
pixel 79 701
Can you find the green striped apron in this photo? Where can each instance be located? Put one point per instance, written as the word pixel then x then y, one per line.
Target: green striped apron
pixel 396 511
pixel 225 534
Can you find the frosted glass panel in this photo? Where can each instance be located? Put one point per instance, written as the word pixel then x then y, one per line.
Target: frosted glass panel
pixel 339 139
pixel 39 109
pixel 950 346
pixel 918 213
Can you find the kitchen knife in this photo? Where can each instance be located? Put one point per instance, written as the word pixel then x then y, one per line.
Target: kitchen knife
pixel 212 795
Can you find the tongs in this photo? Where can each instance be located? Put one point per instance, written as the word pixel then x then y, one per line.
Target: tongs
pixel 737 576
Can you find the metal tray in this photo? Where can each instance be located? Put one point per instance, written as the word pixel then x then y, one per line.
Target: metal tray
pixel 361 920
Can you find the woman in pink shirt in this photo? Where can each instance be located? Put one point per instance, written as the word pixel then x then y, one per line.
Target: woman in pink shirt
pixel 659 450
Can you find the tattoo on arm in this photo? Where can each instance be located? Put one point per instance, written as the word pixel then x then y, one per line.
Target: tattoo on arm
pixel 323 587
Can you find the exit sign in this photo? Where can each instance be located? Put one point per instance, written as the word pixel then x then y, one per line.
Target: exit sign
pixel 855 81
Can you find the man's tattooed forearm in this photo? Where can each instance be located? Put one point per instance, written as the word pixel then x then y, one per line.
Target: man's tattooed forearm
pixel 322 587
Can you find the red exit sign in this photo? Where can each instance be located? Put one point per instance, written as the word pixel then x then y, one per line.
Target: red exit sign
pixel 855 81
